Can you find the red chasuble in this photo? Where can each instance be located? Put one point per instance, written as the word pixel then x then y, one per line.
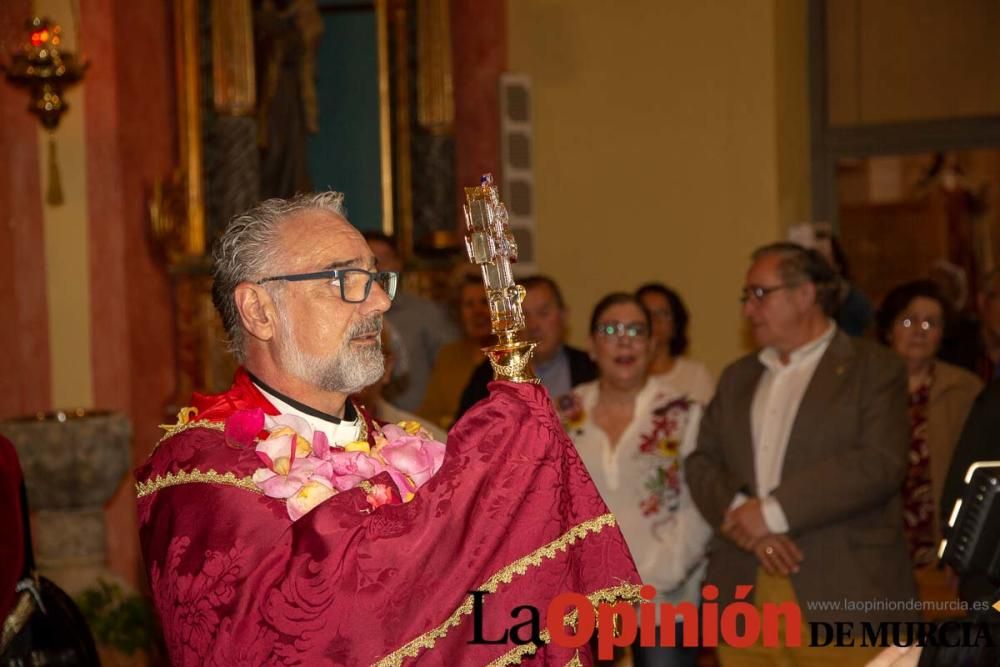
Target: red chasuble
pixel 12 548
pixel 512 512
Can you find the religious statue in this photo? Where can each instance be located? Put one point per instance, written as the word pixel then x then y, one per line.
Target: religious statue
pixel 287 36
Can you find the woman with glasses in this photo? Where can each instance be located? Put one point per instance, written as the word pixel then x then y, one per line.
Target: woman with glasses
pixel 632 430
pixel 669 318
pixel 912 321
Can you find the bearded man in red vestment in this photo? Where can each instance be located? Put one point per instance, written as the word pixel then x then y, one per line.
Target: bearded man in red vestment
pixel 281 525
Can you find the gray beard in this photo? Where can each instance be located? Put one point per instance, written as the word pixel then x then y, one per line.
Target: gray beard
pixel 348 372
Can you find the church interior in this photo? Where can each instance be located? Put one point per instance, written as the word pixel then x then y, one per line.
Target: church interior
pixel 648 140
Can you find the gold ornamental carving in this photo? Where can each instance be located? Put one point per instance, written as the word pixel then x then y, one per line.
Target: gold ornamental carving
pixel 491 246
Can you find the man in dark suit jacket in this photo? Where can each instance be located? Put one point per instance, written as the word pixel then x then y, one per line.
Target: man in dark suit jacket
pixel 979 442
pixel 559 366
pixel 800 460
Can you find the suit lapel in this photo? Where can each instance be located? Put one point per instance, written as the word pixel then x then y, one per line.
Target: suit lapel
pixel 831 372
pixel 743 452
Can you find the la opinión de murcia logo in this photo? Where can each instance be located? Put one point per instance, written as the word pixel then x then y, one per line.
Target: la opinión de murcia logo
pixel 738 624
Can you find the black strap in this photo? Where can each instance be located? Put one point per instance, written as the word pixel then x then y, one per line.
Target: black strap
pixel 29 552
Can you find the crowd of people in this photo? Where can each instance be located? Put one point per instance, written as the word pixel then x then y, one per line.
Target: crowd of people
pixel 820 467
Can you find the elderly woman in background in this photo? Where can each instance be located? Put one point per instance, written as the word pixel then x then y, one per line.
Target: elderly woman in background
pixel 456 361
pixel 669 317
pixel 633 430
pixel 912 321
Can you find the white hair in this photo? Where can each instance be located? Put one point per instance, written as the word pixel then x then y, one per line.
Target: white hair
pixel 347 371
pixel 246 253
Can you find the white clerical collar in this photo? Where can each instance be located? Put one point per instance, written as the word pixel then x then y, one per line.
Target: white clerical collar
pixel 771 358
pixel 338 431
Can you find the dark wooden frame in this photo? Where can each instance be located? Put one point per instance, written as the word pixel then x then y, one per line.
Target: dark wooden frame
pixel 829 144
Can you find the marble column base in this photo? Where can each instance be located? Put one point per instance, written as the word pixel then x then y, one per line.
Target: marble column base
pixel 70 547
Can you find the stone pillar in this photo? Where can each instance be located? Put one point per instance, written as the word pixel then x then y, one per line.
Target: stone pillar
pixel 73 463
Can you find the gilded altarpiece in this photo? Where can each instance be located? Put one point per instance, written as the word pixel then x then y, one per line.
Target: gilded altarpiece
pixel 221 82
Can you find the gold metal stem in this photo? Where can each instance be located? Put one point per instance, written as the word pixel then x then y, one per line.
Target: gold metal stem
pixel 491 246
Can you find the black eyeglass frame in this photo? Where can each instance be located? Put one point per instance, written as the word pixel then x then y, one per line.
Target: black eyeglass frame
pixel 390 278
pixel 759 293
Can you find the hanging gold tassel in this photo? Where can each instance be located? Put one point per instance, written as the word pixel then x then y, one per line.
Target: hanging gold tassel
pixel 54 193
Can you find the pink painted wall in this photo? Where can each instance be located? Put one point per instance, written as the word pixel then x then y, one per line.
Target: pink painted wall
pixel 24 363
pixel 131 135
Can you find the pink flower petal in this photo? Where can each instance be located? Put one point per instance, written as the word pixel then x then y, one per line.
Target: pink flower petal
pixel 294 422
pixel 320 445
pixel 417 458
pixel 272 449
pixel 309 496
pixel 346 482
pixel 404 485
pixel 393 432
pixel 354 463
pixel 261 475
pixel 275 485
pixel 280 486
pixel 322 468
pixel 243 426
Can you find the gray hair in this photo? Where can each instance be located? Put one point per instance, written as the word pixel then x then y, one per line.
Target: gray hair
pixel 246 252
pixel 799 265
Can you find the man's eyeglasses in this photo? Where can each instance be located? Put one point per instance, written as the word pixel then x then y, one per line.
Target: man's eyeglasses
pixel 355 284
pixel 756 293
pixel 620 329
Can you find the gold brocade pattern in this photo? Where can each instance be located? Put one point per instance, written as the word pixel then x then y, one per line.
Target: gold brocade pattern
pixel 171 431
pixel 622 593
pixel 184 423
pixel 194 477
pixel 504 576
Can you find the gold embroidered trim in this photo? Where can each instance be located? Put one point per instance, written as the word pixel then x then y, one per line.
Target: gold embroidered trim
pixel 17 619
pixel 362 424
pixel 171 431
pixel 184 415
pixel 505 575
pixel 194 477
pixel 182 425
pixel 621 593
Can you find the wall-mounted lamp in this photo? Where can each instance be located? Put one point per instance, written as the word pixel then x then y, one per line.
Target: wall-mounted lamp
pixel 41 66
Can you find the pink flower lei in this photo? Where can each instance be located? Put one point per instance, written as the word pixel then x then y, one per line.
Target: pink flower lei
pixel 303 469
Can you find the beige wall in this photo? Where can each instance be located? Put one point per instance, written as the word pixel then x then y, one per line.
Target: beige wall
pixel 792 111
pixel 906 60
pixel 66 239
pixel 657 128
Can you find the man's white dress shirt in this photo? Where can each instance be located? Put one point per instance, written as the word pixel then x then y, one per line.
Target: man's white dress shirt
pixel 772 416
pixel 338 431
